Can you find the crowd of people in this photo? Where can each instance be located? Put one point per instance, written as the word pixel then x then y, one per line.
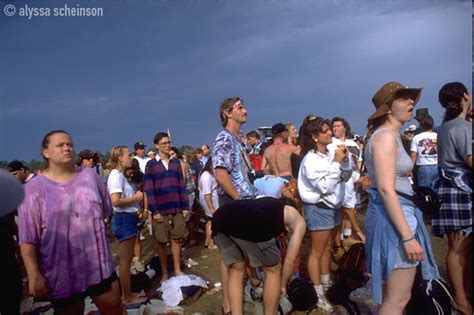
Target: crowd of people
pixel 251 191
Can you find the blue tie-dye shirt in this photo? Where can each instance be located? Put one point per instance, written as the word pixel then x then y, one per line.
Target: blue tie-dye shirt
pixel 228 152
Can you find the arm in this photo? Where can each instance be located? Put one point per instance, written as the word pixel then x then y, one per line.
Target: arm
pixel 119 202
pixel 351 215
pixel 322 175
pixel 29 237
pixel 385 149
pixel 149 188
pixel 223 179
pixel 413 156
pixel 208 198
pixel 469 161
pixel 413 150
pixel 116 185
pixel 265 166
pixel 37 284
pixel 297 225
pixel 183 193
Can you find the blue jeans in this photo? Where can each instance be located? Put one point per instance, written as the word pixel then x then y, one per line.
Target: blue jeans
pixel 426 175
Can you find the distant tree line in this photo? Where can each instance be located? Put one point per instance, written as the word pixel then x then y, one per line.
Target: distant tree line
pixel 36 165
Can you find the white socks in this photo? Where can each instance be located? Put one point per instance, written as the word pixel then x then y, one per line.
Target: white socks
pixel 347 232
pixel 325 279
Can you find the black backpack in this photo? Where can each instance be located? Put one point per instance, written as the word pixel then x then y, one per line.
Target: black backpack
pixel 430 297
pixel 302 294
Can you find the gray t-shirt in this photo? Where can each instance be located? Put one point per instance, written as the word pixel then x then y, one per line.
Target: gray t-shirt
pixel 454 143
pixel 404 165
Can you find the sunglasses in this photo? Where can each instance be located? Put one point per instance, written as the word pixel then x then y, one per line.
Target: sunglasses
pixel 165 143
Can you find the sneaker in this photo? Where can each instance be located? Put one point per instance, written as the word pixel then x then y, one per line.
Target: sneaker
pixel 136 266
pixel 323 303
pixel 326 286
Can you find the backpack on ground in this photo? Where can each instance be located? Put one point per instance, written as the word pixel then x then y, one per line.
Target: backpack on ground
pixel 302 294
pixel 431 297
pixel 351 274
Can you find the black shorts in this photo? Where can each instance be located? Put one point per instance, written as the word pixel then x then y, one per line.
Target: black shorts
pixel 93 290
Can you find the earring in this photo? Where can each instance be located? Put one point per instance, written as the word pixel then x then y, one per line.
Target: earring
pixel 389 112
pixel 315 140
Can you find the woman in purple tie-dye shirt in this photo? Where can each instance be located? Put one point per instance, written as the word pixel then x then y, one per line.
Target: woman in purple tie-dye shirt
pixel 62 234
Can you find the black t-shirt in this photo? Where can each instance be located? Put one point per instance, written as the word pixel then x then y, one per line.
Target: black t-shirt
pixel 254 220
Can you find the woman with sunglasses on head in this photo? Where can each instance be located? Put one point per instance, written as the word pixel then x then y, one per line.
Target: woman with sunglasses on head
pixel 124 222
pixel 454 186
pixel 397 240
pixel 62 233
pixel 321 187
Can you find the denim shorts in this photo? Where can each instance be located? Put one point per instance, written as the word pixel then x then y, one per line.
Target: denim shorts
pixel 124 225
pixel 321 219
pixel 426 175
pixel 401 260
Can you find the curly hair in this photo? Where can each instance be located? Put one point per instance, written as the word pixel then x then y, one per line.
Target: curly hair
pixel 311 126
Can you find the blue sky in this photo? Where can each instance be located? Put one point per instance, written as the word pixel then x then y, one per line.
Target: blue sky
pixel 148 66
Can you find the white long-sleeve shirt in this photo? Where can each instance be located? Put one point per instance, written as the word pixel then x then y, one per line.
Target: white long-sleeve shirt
pixel 321 179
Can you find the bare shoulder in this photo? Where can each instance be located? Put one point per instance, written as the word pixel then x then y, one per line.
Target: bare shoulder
pixel 384 137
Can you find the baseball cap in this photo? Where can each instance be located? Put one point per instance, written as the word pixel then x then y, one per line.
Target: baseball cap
pixel 14 166
pixel 278 128
pixel 139 145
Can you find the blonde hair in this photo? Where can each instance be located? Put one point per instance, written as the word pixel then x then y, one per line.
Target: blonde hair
pixel 115 154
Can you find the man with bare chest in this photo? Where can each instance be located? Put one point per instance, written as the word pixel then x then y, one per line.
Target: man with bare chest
pixel 277 157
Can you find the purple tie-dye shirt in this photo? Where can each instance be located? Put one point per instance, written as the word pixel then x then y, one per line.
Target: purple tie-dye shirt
pixel 65 223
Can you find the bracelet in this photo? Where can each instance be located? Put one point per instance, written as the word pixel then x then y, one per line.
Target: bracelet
pixel 408 239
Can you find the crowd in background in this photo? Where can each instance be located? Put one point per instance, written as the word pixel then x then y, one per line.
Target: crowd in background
pixel 317 176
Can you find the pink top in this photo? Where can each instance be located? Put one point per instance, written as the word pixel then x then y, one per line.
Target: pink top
pixel 65 223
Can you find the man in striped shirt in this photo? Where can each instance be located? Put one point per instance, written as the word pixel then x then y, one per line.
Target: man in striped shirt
pixel 165 188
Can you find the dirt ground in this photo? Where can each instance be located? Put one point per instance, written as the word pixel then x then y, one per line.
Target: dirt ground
pixel 208 269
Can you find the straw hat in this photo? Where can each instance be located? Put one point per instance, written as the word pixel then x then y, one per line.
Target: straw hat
pixel 389 92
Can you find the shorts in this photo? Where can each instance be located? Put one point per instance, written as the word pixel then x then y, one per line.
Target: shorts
pixel 124 225
pixel 318 219
pixel 93 290
pixel 234 250
pixel 401 260
pixel 172 227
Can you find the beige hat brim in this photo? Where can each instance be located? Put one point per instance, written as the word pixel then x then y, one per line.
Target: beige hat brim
pixel 384 109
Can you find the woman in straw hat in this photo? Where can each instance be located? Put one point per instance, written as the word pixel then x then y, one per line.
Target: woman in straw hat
pixel 454 186
pixel 397 240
